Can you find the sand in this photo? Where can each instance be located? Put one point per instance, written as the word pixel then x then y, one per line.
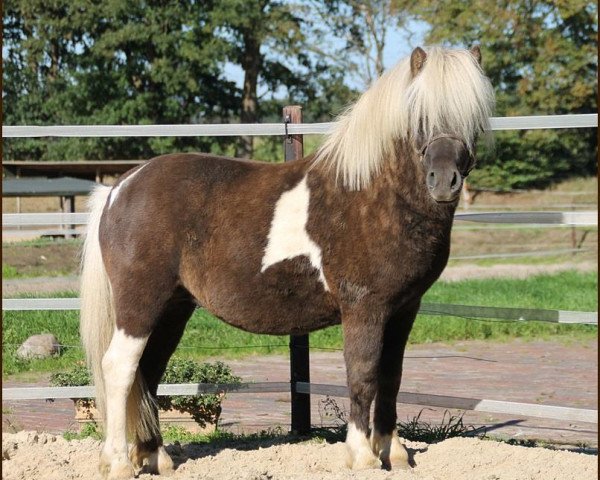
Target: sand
pixel 31 456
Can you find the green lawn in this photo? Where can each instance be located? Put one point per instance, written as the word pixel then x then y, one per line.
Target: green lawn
pixel 206 336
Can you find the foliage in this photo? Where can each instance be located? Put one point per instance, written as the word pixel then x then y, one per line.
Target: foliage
pixel 413 429
pixel 79 375
pixel 541 57
pixel 81 62
pixel 450 426
pixel 8 272
pixel 337 418
pixel 359 33
pixel 114 63
pixel 88 430
pixel 203 408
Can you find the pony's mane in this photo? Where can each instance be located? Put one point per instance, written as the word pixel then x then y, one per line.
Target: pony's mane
pixel 449 95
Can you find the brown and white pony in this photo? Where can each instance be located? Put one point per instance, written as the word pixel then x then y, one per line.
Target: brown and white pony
pixel 354 235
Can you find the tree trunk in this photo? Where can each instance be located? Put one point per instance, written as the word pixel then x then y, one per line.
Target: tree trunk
pixel 251 62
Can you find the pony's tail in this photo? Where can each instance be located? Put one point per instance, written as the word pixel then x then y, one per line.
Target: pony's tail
pixel 97 324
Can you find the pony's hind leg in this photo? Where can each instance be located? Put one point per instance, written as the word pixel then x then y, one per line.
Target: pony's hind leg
pixel 129 406
pixel 363 331
pixel 384 439
pixel 149 453
pixel 119 366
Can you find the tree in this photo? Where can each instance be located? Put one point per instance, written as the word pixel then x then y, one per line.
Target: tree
pixel 84 62
pixel 265 38
pixel 80 62
pixel 363 27
pixel 541 56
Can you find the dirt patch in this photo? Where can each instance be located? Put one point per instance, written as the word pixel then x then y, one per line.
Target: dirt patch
pixel 58 257
pixel 32 456
pixel 467 272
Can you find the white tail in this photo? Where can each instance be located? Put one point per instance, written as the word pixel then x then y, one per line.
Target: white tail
pixel 97 324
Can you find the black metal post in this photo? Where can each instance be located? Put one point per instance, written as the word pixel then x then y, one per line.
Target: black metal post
pixel 299 353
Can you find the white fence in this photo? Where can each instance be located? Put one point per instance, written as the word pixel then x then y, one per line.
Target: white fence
pixel 584 120
pixel 588 218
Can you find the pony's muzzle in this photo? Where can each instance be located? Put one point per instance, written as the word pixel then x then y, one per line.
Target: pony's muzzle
pixel 444 184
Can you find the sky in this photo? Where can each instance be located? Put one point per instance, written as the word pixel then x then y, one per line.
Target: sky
pixel 397 47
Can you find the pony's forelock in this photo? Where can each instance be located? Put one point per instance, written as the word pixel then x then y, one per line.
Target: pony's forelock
pixel 449 95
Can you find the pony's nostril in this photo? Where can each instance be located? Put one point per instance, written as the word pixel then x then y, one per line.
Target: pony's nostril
pixel 454 183
pixel 431 179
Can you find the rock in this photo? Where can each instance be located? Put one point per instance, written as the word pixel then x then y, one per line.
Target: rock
pixel 39 346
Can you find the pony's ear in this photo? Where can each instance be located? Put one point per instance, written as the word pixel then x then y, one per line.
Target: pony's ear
pixel 417 59
pixel 476 52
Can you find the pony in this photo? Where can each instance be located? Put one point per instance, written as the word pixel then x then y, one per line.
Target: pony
pixel 354 234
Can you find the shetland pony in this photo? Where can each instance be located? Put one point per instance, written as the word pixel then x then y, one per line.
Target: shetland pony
pixel 355 234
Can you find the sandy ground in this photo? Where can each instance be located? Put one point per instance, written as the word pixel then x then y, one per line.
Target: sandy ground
pixel 30 456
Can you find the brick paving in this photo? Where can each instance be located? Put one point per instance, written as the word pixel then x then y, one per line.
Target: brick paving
pixel 540 372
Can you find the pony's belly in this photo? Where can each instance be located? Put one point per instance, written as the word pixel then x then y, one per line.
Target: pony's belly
pixel 293 322
pixel 288 298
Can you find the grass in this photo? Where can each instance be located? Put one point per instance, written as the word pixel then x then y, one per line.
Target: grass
pixel 43 242
pixel 450 426
pixel 9 272
pixel 207 336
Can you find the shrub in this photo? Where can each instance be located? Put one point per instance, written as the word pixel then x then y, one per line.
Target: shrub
pixel 204 408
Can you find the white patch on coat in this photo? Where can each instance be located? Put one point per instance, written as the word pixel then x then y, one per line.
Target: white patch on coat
pixel 360 454
pixel 119 366
pixel 389 449
pixel 288 237
pixel 115 191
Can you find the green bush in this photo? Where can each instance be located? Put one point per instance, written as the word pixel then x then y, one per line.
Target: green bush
pixel 79 375
pixel 203 408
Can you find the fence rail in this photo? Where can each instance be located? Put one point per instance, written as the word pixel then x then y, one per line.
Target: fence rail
pixel 585 120
pixel 463 311
pixel 587 218
pixel 574 219
pixel 445 401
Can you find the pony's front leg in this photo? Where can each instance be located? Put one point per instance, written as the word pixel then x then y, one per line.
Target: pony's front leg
pixel 119 366
pixel 362 347
pixel 384 438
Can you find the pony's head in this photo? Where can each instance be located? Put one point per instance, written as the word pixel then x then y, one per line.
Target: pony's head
pixel 436 102
pixel 446 146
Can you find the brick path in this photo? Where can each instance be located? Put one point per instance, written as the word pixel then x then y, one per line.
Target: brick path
pixel 532 372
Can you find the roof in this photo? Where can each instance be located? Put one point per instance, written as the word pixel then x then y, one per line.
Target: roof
pixel 46 187
pixel 82 169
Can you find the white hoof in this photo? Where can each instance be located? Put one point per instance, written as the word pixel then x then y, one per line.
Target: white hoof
pixel 389 450
pixel 363 461
pixel 115 467
pixel 359 456
pixel 398 454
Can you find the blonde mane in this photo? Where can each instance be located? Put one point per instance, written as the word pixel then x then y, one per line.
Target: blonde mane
pixel 449 95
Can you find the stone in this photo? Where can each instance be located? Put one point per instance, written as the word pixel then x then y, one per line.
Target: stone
pixel 39 346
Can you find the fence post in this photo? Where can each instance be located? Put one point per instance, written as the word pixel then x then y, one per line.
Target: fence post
pixel 299 354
